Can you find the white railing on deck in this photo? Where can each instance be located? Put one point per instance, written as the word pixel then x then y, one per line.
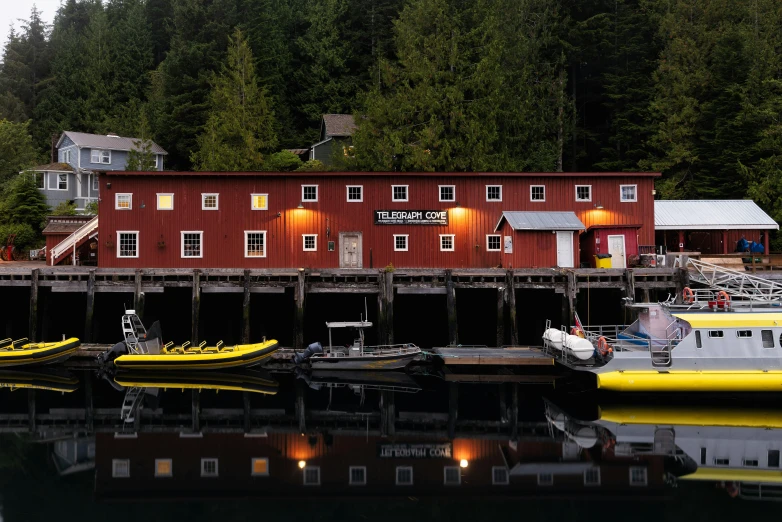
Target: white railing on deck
pixel 66 245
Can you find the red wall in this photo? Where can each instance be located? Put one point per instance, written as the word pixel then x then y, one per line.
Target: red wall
pixel 709 241
pixel 470 222
pixel 590 247
pixel 533 249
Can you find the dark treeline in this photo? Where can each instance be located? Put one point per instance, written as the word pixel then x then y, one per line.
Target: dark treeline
pixel 692 89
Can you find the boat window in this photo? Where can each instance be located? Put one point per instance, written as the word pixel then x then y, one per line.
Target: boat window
pixel 312 476
pixel 260 467
pixel 404 476
pixel 592 477
pixel 722 462
pixel 703 456
pixel 209 468
pixel 164 468
pixel 120 468
pixel 499 476
pixel 773 458
pixel 751 463
pixel 358 475
pixel 638 477
pixel 452 475
pixel 698 343
pixel 545 479
pixel 716 333
pixel 768 338
pixel 743 333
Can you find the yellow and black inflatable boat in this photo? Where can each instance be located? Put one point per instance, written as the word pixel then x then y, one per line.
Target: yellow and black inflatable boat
pixel 200 357
pixel 38 380
pixel 24 353
pixel 245 381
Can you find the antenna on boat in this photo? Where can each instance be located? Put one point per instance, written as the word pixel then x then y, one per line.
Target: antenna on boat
pixel 366 313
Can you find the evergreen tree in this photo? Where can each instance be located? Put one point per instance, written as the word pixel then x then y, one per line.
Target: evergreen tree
pixel 16 148
pixel 140 157
pixel 23 210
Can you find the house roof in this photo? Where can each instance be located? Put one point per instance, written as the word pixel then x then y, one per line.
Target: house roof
pixel 339 124
pixel 53 167
pixel 741 214
pixel 541 221
pixel 65 224
pixel 111 142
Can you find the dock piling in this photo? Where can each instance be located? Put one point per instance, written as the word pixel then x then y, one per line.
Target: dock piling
pixel 298 318
pixel 450 293
pixel 138 295
pixel 500 316
pixel 246 309
pixel 33 327
pixel 196 311
pixel 510 298
pixel 196 411
pixel 90 307
pixel 453 409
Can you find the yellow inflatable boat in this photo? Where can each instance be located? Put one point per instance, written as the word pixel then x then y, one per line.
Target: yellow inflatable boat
pixel 249 381
pixel 200 357
pixel 24 353
pixel 38 380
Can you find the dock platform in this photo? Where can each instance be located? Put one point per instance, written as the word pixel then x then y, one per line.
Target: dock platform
pixel 505 356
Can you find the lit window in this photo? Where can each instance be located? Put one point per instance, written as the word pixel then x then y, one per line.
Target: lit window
pixel 312 476
pixel 165 202
pixel 100 156
pixel 355 193
pixel 493 242
pixel 743 333
pixel 260 467
pixel 767 338
pixel 357 475
pixel 210 201
pixel 404 476
pixel 493 192
pixel 716 333
pixel 309 193
pixel 638 476
pixel 446 242
pixel 400 242
pixel 310 242
pixel 592 477
pixel 191 244
pixel 545 479
pixel 537 193
pixel 452 475
pixel 399 192
pixel 260 201
pixel 583 192
pixel 40 179
pixel 123 201
pixel 499 475
pixel 127 244
pixel 447 193
pixel 120 468
pixel 628 193
pixel 164 468
pixel 255 243
pixel 209 468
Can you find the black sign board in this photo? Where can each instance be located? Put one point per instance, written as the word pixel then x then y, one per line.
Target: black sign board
pixel 411 217
pixel 439 450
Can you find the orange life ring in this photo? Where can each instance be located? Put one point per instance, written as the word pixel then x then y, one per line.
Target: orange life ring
pixel 723 296
pixel 602 346
pixel 688 296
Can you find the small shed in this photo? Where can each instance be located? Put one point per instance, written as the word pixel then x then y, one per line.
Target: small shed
pixel 621 241
pixel 60 227
pixel 710 226
pixel 539 239
pixel 335 137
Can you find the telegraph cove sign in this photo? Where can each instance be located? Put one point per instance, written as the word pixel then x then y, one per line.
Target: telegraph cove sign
pixel 415 451
pixel 411 217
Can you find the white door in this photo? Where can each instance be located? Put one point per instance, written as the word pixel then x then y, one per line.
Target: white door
pixel 351 250
pixel 616 247
pixel 565 249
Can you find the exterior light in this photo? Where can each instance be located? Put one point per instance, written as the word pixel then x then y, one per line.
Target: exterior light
pixel 463 463
pixel 279 214
pixel 457 204
pixel 108 184
pixel 599 206
pixel 142 204
pixel 302 464
pixel 301 205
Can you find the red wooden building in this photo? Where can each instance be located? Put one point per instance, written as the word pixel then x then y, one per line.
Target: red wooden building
pixel 363 220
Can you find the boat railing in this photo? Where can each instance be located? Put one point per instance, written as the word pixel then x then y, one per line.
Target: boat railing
pixel 380 349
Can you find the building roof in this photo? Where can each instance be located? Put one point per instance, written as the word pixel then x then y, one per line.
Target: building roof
pixel 741 214
pixel 541 221
pixel 339 124
pixel 111 142
pixel 65 224
pixel 394 174
pixel 53 167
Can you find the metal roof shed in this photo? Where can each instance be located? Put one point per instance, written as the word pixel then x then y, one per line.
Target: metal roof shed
pixel 541 221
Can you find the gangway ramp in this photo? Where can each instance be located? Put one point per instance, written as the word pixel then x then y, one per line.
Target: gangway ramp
pixel 736 284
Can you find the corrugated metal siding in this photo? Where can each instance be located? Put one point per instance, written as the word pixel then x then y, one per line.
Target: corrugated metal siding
pixel 332 214
pixel 702 215
pixel 543 220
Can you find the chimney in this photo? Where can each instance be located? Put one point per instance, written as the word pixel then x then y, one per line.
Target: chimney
pixel 53 153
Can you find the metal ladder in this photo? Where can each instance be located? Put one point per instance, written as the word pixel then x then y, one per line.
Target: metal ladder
pixel 131 404
pixel 736 284
pixel 133 329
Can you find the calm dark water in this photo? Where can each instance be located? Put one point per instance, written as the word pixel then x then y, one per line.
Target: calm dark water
pixel 326 447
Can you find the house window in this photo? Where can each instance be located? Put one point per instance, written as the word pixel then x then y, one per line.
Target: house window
pixel 260 467
pixel 452 475
pixel 40 179
pixel 493 192
pixel 716 333
pixel 743 333
pixel 698 343
pixel 58 181
pixel 95 183
pixel 355 193
pixel 310 242
pixel 165 202
pixel 545 479
pixel 120 468
pixel 400 242
pixel 637 476
pixel 210 201
pixel 100 156
pixel 312 476
pixel 209 468
pixel 191 244
pixel 309 193
pixel 499 476
pixel 164 468
pixel 447 193
pixel 773 458
pixel 493 242
pixel 127 244
pixel 446 242
pixel 592 477
pixel 123 201
pixel 767 338
pixel 357 475
pixel 404 475
pixel 259 201
pixel 583 192
pixel 628 193
pixel 537 193
pixel 399 193
pixel 255 243
pixel 66 156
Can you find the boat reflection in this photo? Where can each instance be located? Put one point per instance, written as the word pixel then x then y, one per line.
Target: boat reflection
pixel 39 379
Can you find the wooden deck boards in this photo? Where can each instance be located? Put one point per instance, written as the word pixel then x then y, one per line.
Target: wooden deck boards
pixel 508 356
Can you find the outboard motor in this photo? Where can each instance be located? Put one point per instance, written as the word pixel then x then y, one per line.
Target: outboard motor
pixel 313 349
pixel 118 349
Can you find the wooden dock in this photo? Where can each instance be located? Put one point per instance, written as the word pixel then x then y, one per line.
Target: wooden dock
pixel 505 356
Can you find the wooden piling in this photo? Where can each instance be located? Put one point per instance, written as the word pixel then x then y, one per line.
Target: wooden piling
pixel 645 295
pixel 453 408
pixel 630 284
pixel 569 299
pixel 682 279
pixel 514 412
pixel 196 411
pixel 88 329
pixel 387 414
pixel 510 299
pixel 89 409
pixel 246 309
pixel 450 293
pixel 500 316
pixel 196 310
pixel 300 409
pixel 298 318
pixel 138 295
pixel 33 326
pixel 31 407
pixel 246 405
pixel 385 302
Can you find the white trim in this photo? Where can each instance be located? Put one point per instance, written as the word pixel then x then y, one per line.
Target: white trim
pixel 500 483
pixel 493 200
pixel 130 200
pixel 445 476
pixel 252 467
pixel 252 201
pixel 115 463
pixel 407 242
pixel 265 246
pixel 170 468
pixel 100 156
pixel 624 248
pixel 598 477
pixel 304 242
pixel 440 192
pixel 347 193
pixel 95 183
pixel 350 476
pixel 396 473
pixel 57 182
pixel 645 476
pixel 309 200
pixel 304 475
pixel 217 468
pixel 453 243
pixel 488 247
pixel 590 193
pixel 78 155
pixel 217 200
pixel 531 187
pixel 407 192
pixel 44 178
pixel 157 200
pixel 120 232
pixel 200 243
pixel 635 194
pixel 572 261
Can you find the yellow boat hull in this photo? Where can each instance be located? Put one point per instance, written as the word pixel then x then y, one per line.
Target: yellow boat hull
pixel 241 356
pixel 33 354
pixel 658 415
pixel 218 381
pixel 691 381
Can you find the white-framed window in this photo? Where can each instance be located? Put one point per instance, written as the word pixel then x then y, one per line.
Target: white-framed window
pixel 100 156
pixel 95 180
pixel 399 192
pixel 404 475
pixel 767 338
pixel 58 181
pixel 743 333
pixel 127 243
pixel 311 475
pixel 446 242
pixel 583 192
pixel 259 467
pixel 355 193
pixel 545 479
pixel 40 179
pixel 66 156
pixel 120 468
pixel 309 193
pixel 357 475
pixel 400 242
pixel 721 461
pixel 310 242
pixel 716 333
pixel 628 193
pixel 493 192
pixel 210 468
pixel 192 243
pixel 493 242
pixel 254 243
pixel 210 201
pixel 164 468
pixel 165 201
pixel 452 475
pixel 447 192
pixel 592 477
pixel 123 201
pixel 499 476
pixel 638 476
pixel 537 193
pixel 259 201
